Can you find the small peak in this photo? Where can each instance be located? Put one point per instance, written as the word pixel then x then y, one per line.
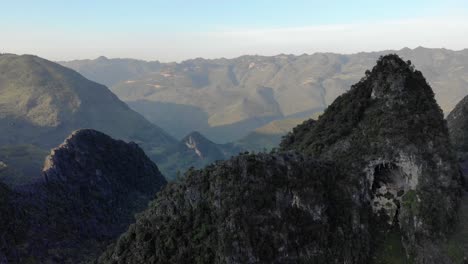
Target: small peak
pixel 391 59
pixel 102 58
pixel 392 63
pixel 195 135
pixel 85 137
pixel 86 132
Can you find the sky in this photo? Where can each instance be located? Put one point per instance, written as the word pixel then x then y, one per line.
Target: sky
pixel 174 30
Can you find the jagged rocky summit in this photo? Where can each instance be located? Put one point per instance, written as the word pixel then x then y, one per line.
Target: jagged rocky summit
pixel 389 132
pixel 103 181
pixel 375 181
pixel 92 186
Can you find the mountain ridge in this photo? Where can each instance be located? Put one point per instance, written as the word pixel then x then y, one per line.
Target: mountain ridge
pixel 382 153
pixel 302 85
pixel 42 102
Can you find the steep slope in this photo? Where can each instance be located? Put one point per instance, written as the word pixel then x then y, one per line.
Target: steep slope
pixel 389 131
pixel 263 208
pixel 457 122
pixel 91 187
pixel 213 91
pixel 42 102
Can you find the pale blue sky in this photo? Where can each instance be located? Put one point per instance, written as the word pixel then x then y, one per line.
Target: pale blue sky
pixel 176 30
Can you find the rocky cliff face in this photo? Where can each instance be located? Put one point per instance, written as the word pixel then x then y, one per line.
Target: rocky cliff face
pixel 281 208
pixel 92 186
pixel 457 122
pixel 376 182
pixel 98 183
pixel 389 132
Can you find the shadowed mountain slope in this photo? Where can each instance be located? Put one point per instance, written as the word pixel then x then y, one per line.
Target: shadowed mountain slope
pixel 91 187
pixel 226 91
pixel 42 102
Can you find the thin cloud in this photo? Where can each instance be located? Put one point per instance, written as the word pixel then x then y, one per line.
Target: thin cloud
pixel 444 32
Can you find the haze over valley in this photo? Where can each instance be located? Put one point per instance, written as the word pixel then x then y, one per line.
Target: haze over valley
pixel 225 99
pixel 234 132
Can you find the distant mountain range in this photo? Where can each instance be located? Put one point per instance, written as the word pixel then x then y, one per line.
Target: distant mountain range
pixel 225 99
pixel 42 102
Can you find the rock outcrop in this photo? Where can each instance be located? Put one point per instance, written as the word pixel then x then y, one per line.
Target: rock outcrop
pixel 98 182
pixel 202 147
pixel 92 186
pixel 457 122
pixel 281 208
pixel 389 132
pixel 207 150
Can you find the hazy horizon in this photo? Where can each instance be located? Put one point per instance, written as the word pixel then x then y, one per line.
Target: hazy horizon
pixel 149 30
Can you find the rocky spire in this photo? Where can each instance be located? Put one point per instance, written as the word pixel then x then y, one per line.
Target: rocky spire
pixel 389 132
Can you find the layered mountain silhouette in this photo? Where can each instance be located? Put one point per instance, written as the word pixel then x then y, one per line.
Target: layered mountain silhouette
pixel 373 180
pixel 222 94
pixel 42 102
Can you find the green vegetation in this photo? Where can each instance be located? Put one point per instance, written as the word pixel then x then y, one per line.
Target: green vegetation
pixel 457 244
pixel 410 201
pixel 390 115
pixel 23 164
pixel 251 203
pixel 391 250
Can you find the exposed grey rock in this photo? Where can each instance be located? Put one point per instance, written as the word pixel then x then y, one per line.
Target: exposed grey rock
pixel 389 132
